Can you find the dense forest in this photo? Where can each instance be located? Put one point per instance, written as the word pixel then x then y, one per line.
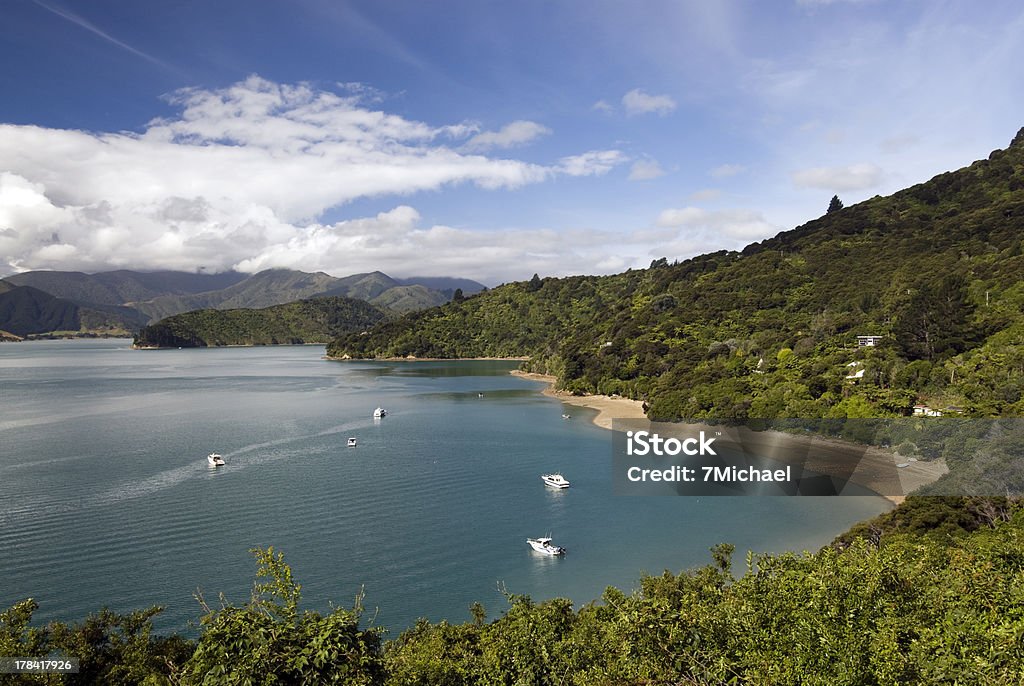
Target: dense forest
pixel 929 593
pixel 315 320
pixel 934 271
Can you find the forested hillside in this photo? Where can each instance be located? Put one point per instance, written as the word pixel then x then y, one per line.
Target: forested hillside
pixel 315 320
pixel 28 311
pixel 936 270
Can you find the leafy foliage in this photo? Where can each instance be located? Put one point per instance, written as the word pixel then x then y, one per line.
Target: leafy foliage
pixel 111 648
pixel 270 641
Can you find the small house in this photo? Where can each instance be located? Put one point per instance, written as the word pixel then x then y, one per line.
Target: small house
pixel 868 341
pixel 925 411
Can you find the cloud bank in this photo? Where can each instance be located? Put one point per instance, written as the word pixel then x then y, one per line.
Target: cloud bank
pixel 241 177
pixel 855 177
pixel 637 101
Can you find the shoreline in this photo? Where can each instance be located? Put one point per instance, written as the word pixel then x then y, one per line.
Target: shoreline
pixel 410 358
pixel 608 407
pixel 875 461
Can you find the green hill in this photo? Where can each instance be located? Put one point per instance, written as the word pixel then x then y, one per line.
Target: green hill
pixel 27 311
pixel 315 320
pixel 409 298
pixel 934 270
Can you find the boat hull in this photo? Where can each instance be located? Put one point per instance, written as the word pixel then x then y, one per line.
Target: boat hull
pixel 545 547
pixel 554 480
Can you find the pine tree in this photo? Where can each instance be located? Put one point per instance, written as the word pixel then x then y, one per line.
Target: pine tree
pixel 835 205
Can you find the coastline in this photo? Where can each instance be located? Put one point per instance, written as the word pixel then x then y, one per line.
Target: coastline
pixel 411 358
pixel 608 407
pixel 875 462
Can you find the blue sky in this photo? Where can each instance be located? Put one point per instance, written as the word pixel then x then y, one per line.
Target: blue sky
pixel 482 139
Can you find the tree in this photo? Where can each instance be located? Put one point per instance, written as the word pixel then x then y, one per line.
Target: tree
pixel 111 648
pixel 834 205
pixel 458 296
pixel 269 640
pixel 534 285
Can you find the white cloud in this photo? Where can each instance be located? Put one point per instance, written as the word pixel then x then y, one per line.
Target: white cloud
pixel 744 225
pixel 396 243
pixel 516 133
pixel 645 169
pixel 602 106
pixel 593 163
pixel 637 101
pixel 854 177
pixel 241 177
pixel 899 143
pixel 705 195
pixel 725 170
pixel 688 231
pixel 23 203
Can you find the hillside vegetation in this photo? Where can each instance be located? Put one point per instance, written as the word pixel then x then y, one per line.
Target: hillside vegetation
pixel 315 320
pixel 935 270
pixel 27 311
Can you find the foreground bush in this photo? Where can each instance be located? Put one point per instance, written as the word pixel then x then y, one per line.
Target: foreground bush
pixel 893 609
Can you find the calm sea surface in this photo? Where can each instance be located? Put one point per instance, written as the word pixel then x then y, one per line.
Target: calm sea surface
pixel 106 497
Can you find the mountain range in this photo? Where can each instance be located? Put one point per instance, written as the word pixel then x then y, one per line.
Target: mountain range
pixel 121 302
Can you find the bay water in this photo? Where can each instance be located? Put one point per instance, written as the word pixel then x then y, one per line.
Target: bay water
pixel 107 499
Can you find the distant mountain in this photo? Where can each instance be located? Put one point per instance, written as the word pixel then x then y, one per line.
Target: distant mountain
pixel 363 286
pixel 314 320
pixel 25 310
pixel 123 286
pixel 412 298
pixel 445 284
pixel 266 288
pixel 147 297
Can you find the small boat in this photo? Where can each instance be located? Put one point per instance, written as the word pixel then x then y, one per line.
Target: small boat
pixel 380 412
pixel 545 546
pixel 479 395
pixel 555 480
pixel 215 460
pixel 352 442
pixel 565 416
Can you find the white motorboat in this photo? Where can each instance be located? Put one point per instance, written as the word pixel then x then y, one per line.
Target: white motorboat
pixel 380 412
pixel 352 442
pixel 545 546
pixel 565 416
pixel 215 460
pixel 555 480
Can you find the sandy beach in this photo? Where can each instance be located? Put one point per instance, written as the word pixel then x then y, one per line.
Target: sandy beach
pixel 875 468
pixel 608 408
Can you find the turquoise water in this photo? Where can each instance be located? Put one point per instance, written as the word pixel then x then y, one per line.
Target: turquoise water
pixel 106 497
